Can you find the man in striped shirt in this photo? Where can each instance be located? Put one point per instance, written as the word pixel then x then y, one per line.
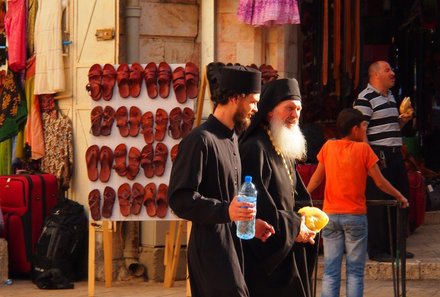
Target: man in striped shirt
pixel 380 109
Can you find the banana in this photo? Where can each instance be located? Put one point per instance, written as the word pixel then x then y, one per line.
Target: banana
pixel 405 108
pixel 316 219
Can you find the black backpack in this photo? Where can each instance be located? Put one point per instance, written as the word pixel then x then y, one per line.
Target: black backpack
pixel 61 246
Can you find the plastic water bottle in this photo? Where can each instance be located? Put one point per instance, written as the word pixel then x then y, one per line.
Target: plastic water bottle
pixel 248 193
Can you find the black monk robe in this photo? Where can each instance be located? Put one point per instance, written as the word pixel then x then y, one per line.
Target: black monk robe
pixel 280 266
pixel 205 176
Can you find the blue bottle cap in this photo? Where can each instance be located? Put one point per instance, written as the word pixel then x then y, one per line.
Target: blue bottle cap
pixel 248 179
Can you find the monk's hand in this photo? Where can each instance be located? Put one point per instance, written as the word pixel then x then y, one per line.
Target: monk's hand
pixel 241 211
pixel 263 230
pixel 305 234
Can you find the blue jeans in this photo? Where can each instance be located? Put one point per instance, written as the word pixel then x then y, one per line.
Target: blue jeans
pixel 347 233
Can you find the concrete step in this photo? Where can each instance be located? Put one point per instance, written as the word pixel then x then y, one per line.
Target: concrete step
pixel 432 217
pixel 424 243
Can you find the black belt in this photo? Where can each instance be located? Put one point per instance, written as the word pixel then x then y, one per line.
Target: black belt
pixel 389 149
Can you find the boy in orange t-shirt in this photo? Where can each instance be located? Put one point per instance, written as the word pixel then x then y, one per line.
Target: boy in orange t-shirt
pixel 345 164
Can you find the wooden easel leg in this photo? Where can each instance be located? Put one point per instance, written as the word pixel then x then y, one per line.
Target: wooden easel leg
pixel 108 252
pixel 91 277
pixel 188 285
pixel 176 253
pixel 170 243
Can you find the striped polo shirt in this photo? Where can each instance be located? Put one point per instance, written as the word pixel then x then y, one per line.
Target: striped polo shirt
pixel 382 114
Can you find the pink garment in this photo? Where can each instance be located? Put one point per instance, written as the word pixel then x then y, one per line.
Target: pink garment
pixel 268 12
pixel 15 26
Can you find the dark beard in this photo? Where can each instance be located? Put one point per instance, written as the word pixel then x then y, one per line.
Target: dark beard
pixel 241 122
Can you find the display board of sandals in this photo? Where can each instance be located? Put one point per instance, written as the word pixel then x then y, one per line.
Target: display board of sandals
pixel 139 115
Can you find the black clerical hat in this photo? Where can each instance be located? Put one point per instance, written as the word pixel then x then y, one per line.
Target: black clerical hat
pixel 245 80
pixel 273 93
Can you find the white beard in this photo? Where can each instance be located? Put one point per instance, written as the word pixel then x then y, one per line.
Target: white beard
pixel 290 141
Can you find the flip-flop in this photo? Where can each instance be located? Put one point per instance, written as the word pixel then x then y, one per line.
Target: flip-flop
pixel 109 201
pixel 179 84
pixel 191 80
pixel 94 85
pixel 150 75
pixel 160 158
pixel 96 119
pixel 162 201
pixel 187 121
pixel 108 81
pixel 92 158
pixel 137 198
pixel 147 122
pixel 124 195
pixel 175 121
pixel 107 120
pixel 164 79
pixel 150 199
pixel 147 155
pixel 94 204
pixel 120 154
pixel 135 80
pixel 135 116
pixel 174 151
pixel 106 161
pixel 122 121
pixel 123 78
pixel 161 124
pixel 134 159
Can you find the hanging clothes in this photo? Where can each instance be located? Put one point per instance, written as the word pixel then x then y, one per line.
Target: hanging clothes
pixel 49 72
pixel 34 136
pixel 58 136
pixel 268 12
pixel 15 26
pixel 5 157
pixel 13 110
pixel 32 15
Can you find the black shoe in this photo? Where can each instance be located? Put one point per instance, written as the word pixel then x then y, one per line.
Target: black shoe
pixel 381 257
pixel 409 255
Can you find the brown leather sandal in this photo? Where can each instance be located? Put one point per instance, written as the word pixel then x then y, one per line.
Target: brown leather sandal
pixel 162 201
pixel 122 121
pixel 174 151
pixel 160 158
pixel 135 116
pixel 147 122
pixel 107 120
pixel 150 199
pixel 106 161
pixel 94 85
pixel 164 79
pixel 94 204
pixel 108 81
pixel 123 78
pixel 109 201
pixel 92 158
pixel 179 84
pixel 175 122
pixel 191 80
pixel 187 121
pixel 96 119
pixel 134 158
pixel 147 155
pixel 161 124
pixel 120 154
pixel 135 79
pixel 150 75
pixel 137 198
pixel 124 197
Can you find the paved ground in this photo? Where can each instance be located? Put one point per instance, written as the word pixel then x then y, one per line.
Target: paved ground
pixel 423 275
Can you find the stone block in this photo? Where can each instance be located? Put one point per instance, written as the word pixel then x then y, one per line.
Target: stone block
pixel 231 30
pixel 413 270
pixel 226 52
pixel 4 272
pixel 227 6
pixel 153 260
pixel 169 19
pixel 430 270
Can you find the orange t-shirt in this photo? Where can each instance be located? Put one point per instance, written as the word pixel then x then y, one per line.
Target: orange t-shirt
pixel 346 166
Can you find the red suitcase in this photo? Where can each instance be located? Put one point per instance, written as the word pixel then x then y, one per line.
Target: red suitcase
pixel 25 201
pixel 416 199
